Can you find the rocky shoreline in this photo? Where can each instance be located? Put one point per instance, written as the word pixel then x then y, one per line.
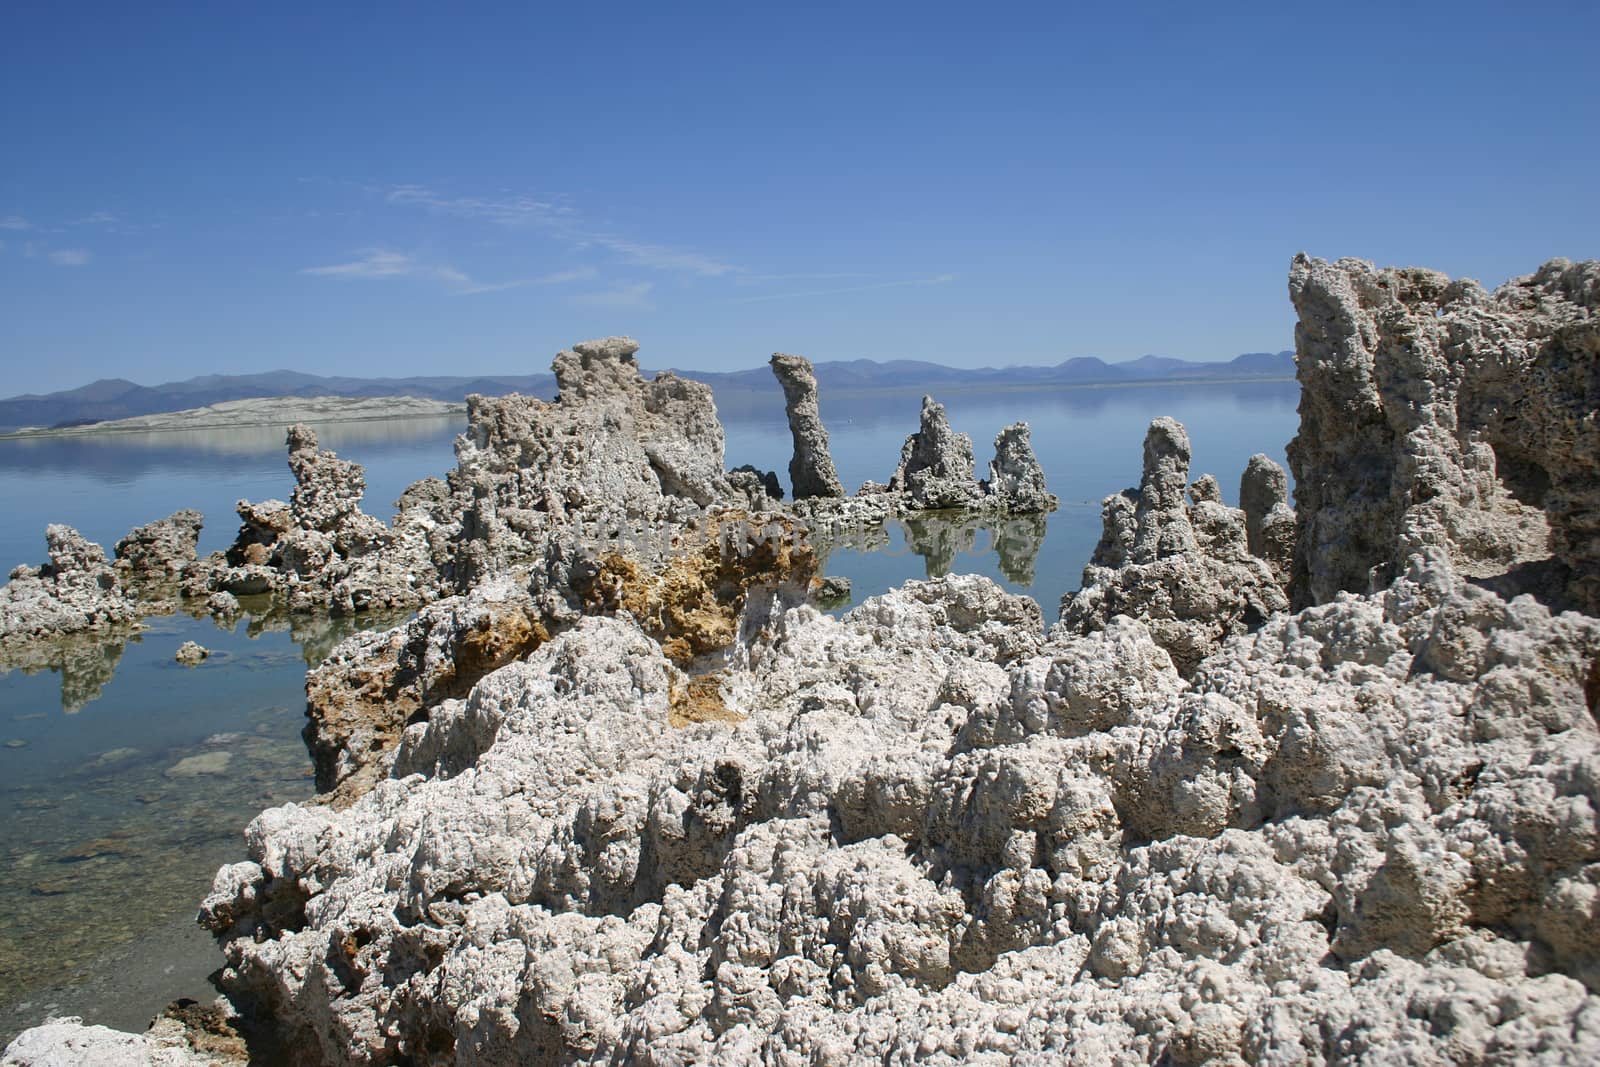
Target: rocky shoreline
pixel 1284 784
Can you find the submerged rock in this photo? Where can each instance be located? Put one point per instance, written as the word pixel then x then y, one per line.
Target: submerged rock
pixel 191 654
pixel 205 763
pixel 1436 414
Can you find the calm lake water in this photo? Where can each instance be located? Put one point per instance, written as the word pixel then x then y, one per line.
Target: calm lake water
pixel 125 779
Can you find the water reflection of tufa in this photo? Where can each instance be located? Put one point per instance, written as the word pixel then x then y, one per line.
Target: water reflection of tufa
pixel 939 536
pixel 87 663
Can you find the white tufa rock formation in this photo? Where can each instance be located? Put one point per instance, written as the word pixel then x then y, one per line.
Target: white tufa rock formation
pixel 1436 414
pixel 811 470
pixel 1184 569
pixel 77 592
pixel 936 469
pixel 1370 828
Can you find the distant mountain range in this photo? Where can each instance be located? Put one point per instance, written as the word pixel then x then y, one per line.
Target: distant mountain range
pixel 117 398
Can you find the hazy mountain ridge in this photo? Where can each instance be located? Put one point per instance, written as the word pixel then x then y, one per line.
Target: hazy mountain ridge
pixel 118 398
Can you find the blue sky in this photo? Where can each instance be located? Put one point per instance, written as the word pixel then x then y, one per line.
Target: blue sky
pixel 395 189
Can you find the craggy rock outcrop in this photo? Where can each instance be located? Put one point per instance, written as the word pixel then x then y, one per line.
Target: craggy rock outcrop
pixel 66 1042
pixel 936 470
pixel 361 698
pixel 677 815
pixel 936 464
pixel 1436 414
pixel 1369 829
pixel 157 553
pixel 614 457
pixel 811 470
pixel 1185 570
pixel 75 593
pixel 755 489
pixel 1015 477
pixel 320 551
pixel 613 453
pixel 1269 522
pixel 692 601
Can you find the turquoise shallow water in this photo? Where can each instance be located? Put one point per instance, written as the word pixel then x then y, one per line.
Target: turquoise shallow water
pixel 125 779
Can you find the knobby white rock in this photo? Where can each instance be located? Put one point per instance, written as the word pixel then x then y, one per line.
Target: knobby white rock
pixel 937 833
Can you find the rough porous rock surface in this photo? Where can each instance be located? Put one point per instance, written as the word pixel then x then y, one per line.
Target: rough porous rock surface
pixel 191 654
pixel 66 1042
pixel 1015 477
pixel 320 552
pixel 690 599
pixel 157 553
pixel 1184 569
pixel 614 457
pixel 613 454
pixel 936 464
pixel 360 698
pixel 77 592
pixel 755 489
pixel 1269 522
pixel 1437 414
pixel 936 471
pixel 1368 830
pixel 811 470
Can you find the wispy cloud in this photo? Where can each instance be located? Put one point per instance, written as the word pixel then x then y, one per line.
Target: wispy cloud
pixel 506 211
pixel 97 218
pixel 937 279
pixel 559 219
pixel 559 277
pixel 378 263
pixel 635 295
pixel 387 263
pixel 662 257
pixel 816 276
pixel 69 257
pixel 14 222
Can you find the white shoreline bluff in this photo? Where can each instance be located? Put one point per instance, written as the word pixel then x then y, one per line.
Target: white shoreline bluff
pixel 932 831
pixel 256 411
